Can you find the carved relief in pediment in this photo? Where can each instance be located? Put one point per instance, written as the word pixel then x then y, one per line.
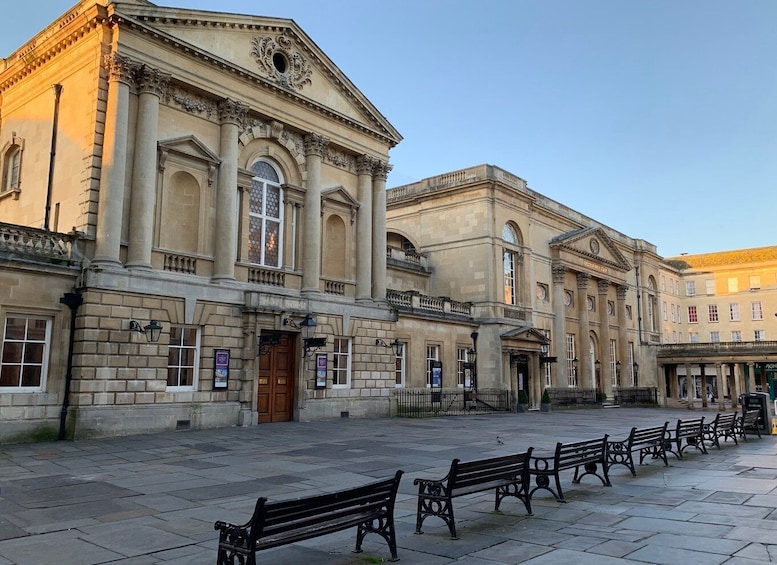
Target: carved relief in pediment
pixel 280 61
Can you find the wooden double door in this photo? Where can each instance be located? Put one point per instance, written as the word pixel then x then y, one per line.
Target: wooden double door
pixel 275 391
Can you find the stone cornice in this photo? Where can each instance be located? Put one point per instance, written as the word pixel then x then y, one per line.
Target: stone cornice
pixel 48 44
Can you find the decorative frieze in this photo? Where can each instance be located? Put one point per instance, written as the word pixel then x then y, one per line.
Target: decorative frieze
pixel 341 159
pixel 191 103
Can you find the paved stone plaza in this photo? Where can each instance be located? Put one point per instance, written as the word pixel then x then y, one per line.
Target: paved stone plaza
pixel 151 499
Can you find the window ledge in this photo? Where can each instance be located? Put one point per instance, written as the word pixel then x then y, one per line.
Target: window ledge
pixel 14 192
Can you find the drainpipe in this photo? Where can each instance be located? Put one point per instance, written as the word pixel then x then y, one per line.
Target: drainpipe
pixel 72 300
pixel 57 88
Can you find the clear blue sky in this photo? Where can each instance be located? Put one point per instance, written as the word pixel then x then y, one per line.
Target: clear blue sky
pixel 657 118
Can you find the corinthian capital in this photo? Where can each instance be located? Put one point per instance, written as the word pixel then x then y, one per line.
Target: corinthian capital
pixel 121 68
pixel 559 273
pixel 315 144
pixel 582 280
pixel 232 111
pixel 603 286
pixel 364 165
pixel 152 80
pixel 621 291
pixel 382 169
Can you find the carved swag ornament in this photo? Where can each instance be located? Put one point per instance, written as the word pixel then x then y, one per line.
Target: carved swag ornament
pixel 280 62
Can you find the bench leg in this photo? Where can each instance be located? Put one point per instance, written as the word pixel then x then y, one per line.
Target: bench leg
pixel 384 527
pixel 542 481
pixel 443 509
pixel 519 491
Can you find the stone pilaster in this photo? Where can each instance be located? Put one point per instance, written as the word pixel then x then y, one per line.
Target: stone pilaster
pixel 558 340
pixel 114 161
pixel 585 378
pixel 622 346
pixel 720 386
pixel 151 85
pixel 605 374
pixel 364 167
pixel 381 172
pixel 311 238
pixel 231 114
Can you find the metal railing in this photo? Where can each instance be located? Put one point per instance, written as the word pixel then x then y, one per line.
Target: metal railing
pixel 637 395
pixel 430 402
pixel 562 396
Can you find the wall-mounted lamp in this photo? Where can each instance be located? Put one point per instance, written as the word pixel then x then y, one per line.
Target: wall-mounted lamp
pixel 308 324
pixel 395 345
pixel 636 373
pixel 574 367
pixel 153 330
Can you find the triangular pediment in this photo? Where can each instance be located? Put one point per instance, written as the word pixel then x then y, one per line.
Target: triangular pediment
pixel 275 52
pixel 593 246
pixel 526 334
pixel 340 195
pixel 189 146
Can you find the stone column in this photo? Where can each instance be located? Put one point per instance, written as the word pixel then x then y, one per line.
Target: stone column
pixel 585 377
pixel 152 85
pixel 622 347
pixel 736 384
pixel 720 386
pixel 690 386
pixel 114 162
pixel 381 172
pixel 605 375
pixel 311 239
pixel 703 386
pixel 231 114
pixel 750 378
pixel 364 166
pixel 558 340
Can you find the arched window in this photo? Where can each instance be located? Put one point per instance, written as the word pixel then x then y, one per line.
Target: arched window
pixel 652 306
pixel 265 216
pixel 11 165
pixel 510 262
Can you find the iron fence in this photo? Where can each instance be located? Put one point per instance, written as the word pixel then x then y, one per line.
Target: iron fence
pixel 637 395
pixel 561 396
pixel 430 402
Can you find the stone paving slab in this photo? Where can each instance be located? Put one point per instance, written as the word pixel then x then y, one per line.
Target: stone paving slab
pixel 153 499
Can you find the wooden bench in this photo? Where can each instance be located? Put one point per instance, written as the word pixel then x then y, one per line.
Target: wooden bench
pixel 687 433
pixel 721 427
pixel 647 441
pixel 747 421
pixel 370 508
pixel 586 454
pixel 507 475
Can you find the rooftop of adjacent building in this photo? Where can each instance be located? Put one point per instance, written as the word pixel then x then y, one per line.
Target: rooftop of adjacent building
pixel 733 257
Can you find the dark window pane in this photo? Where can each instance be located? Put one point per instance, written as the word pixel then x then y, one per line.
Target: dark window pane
pixel 172 376
pixel 190 337
pixel 12 352
pixel 14 328
pixel 33 353
pixel 36 330
pixel 31 376
pixel 9 375
pixel 186 377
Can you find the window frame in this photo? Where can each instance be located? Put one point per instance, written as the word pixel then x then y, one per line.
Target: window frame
pixel 45 354
pixel 338 355
pixel 195 367
pixel 693 315
pixel 10 161
pixel 733 312
pixel 712 313
pixel 756 310
pixel 400 366
pixel 432 354
pixel 263 184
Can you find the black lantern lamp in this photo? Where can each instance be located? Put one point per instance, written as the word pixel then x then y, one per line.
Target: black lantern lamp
pixel 396 345
pixel 152 331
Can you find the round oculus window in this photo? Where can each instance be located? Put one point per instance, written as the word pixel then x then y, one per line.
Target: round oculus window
pixel 542 292
pixel 594 245
pixel 279 62
pixel 568 299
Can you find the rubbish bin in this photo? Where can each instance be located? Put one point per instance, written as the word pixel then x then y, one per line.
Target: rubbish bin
pixel 758 401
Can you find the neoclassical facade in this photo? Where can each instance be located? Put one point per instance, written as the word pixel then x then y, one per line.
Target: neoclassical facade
pixel 558 299
pixel 232 191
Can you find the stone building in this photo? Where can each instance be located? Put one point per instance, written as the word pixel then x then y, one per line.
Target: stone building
pixel 721 330
pixel 557 299
pixel 212 174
